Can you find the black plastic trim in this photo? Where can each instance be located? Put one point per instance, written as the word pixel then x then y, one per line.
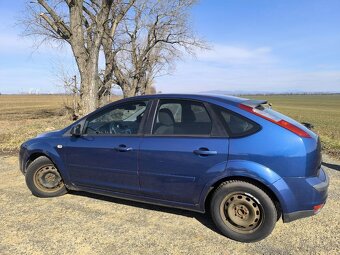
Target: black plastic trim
pixel 322 186
pixel 289 217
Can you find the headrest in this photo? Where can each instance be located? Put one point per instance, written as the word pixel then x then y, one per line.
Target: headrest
pixel 166 117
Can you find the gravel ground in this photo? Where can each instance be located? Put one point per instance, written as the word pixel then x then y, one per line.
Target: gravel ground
pixel 79 223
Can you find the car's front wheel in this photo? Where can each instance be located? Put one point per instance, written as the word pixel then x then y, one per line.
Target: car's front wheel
pixel 44 179
pixel 243 211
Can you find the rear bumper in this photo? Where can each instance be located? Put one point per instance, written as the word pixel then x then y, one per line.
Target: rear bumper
pixel 310 195
pixel 322 186
pixel 288 217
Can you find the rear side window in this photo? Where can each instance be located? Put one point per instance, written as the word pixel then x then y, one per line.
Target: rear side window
pixel 235 124
pixel 176 110
pixel 182 117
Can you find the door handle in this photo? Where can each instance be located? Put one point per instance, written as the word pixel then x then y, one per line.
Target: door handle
pixel 204 152
pixel 123 148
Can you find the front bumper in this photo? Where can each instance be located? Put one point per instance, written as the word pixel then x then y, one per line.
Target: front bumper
pixel 311 195
pixel 23 155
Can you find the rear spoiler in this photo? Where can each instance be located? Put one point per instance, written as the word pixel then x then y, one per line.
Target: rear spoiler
pixel 253 107
pixel 254 103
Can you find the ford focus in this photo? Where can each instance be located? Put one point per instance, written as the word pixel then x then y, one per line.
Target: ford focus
pixel 236 158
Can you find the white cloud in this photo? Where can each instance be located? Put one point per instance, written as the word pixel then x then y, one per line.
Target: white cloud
pixel 234 55
pixel 233 68
pixel 225 67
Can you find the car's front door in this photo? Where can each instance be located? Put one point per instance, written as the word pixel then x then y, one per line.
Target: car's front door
pixel 183 149
pixel 105 155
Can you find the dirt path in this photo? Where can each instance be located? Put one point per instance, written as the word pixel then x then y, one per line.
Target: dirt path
pixel 84 224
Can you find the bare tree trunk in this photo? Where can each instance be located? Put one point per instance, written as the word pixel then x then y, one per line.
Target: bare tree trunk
pixel 83 29
pixel 128 91
pixel 90 87
pixel 87 57
pixel 104 93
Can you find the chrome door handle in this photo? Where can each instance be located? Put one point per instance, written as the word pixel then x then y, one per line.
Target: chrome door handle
pixel 123 148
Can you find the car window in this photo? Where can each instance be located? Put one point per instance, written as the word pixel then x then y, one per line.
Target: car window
pixel 124 119
pixel 235 124
pixel 201 114
pixel 182 117
pixel 176 110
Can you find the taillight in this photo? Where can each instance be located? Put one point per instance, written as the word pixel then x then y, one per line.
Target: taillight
pixel 280 122
pixel 317 208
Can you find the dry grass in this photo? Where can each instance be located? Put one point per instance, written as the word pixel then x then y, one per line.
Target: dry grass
pixel 25 116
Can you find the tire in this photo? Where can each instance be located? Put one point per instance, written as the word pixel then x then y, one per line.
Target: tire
pixel 242 211
pixel 43 178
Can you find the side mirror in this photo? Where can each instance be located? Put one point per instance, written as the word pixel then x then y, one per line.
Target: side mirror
pixel 76 130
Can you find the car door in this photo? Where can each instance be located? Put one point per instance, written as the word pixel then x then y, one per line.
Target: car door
pixel 105 155
pixel 184 147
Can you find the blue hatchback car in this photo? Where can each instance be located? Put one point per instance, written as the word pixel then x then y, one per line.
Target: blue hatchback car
pixel 237 158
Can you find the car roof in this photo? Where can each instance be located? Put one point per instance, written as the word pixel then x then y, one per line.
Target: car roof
pixel 199 96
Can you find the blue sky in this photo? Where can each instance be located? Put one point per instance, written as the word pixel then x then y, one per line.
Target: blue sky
pixel 257 45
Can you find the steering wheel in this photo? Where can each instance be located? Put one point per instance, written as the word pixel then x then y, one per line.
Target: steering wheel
pixel 113 128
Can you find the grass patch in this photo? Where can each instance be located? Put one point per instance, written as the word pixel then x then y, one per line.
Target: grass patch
pixel 24 116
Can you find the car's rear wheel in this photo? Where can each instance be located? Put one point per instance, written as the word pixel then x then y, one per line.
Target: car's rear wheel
pixel 243 211
pixel 44 179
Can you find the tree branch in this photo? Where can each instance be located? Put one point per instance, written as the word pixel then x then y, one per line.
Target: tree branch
pixel 57 20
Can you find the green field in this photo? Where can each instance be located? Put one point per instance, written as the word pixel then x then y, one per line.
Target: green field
pixel 323 111
pixel 24 116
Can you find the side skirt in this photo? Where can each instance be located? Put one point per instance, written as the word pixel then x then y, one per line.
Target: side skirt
pixel 139 198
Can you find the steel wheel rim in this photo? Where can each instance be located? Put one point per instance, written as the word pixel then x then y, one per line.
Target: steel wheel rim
pixel 242 212
pixel 48 179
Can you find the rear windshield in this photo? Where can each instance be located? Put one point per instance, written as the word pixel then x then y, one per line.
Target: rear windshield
pixel 265 111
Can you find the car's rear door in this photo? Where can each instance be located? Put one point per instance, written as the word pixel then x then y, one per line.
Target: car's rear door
pixel 105 155
pixel 183 147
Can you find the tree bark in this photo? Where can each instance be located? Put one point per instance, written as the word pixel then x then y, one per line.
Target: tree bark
pixel 89 83
pixel 87 55
pixel 128 92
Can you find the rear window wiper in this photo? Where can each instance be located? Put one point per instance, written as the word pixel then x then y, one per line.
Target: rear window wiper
pixel 308 125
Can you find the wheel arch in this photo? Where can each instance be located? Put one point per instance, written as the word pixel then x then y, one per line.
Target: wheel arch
pixel 253 181
pixel 33 157
pixel 45 150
